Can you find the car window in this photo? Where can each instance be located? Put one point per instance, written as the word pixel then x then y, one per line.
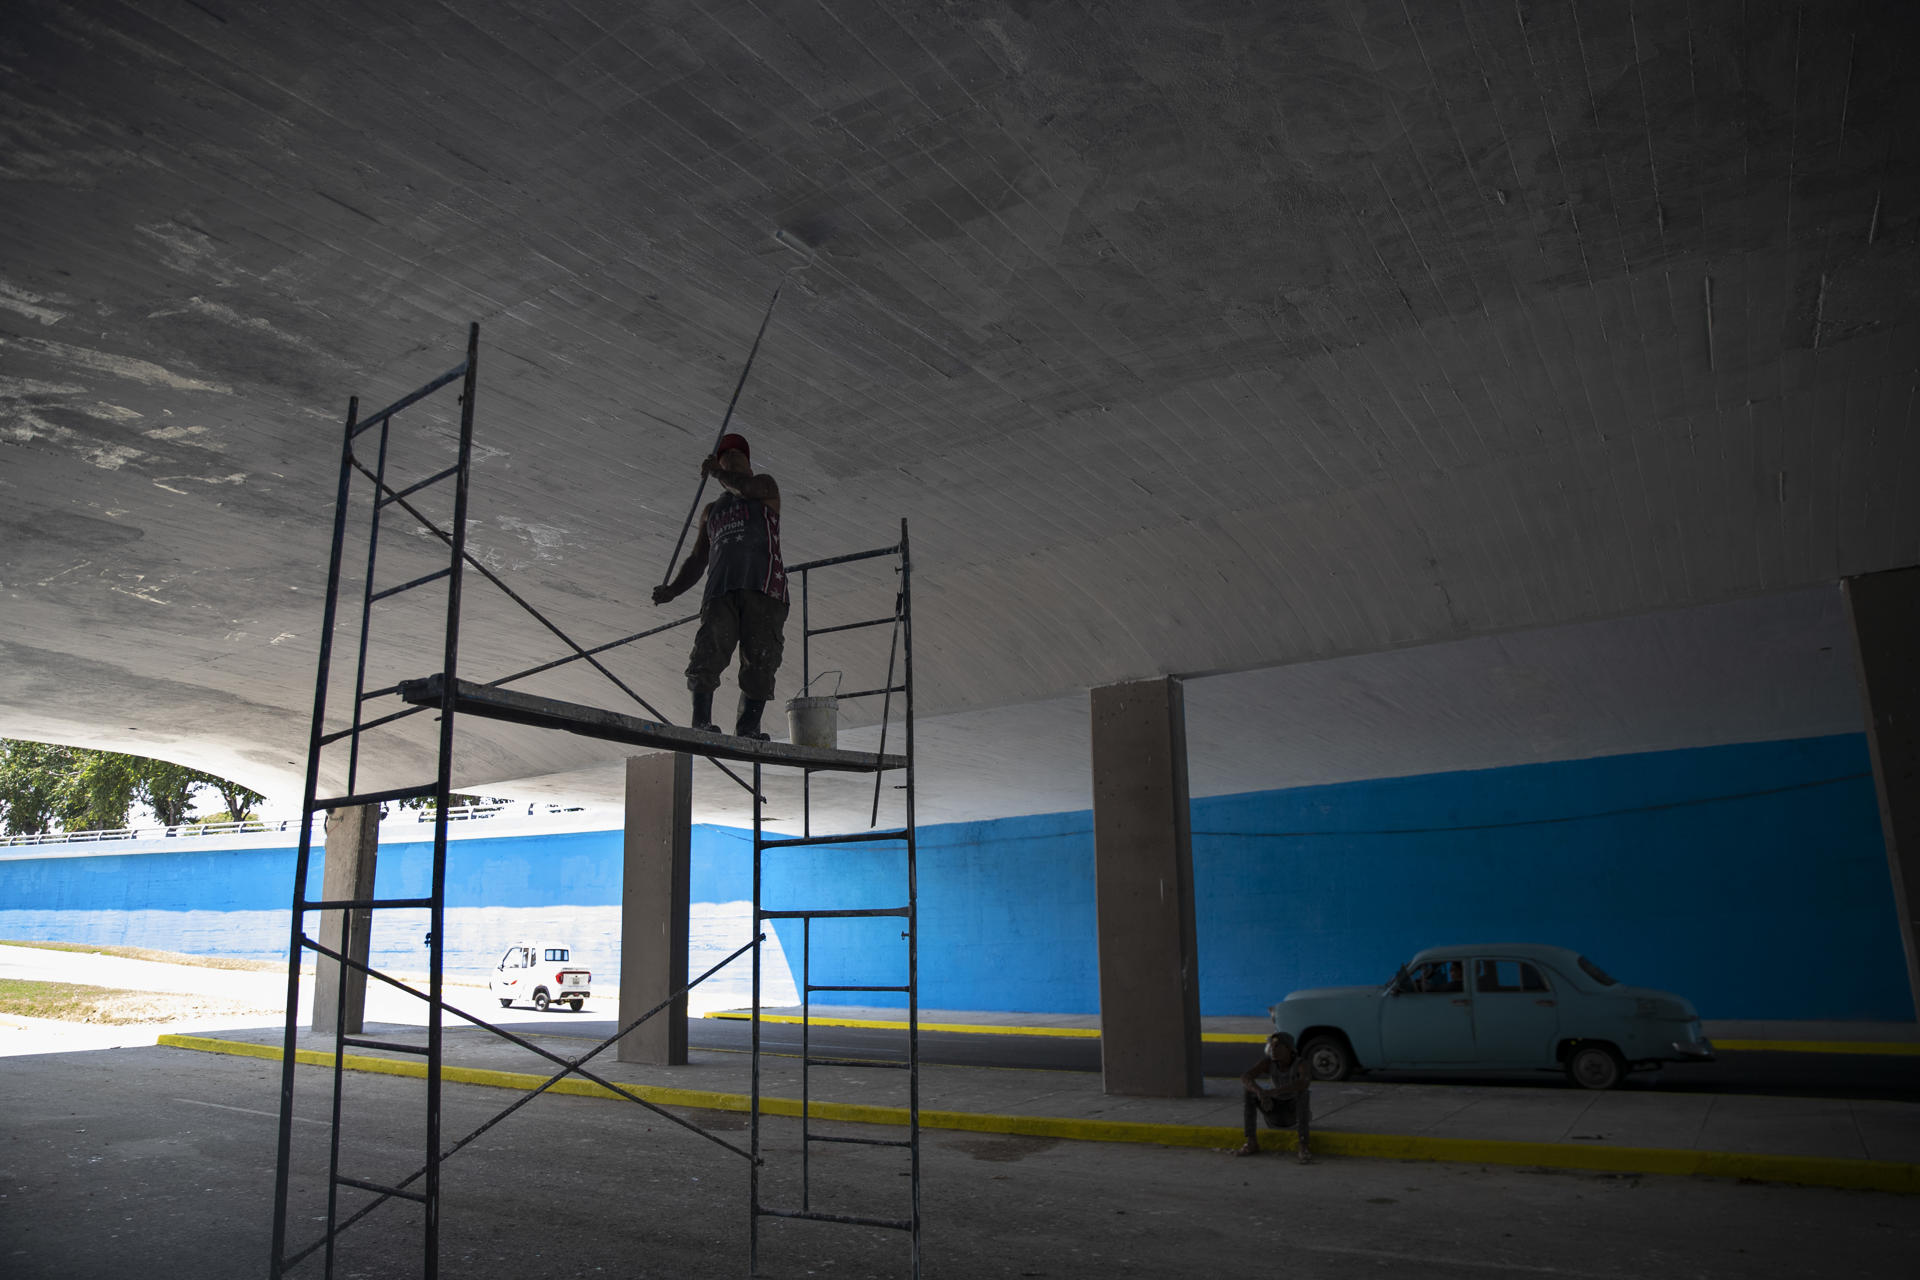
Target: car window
pixel 1595 972
pixel 511 959
pixel 1436 977
pixel 558 954
pixel 1506 975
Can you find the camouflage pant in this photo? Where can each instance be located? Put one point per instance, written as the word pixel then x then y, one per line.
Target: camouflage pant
pixel 754 621
pixel 1281 1113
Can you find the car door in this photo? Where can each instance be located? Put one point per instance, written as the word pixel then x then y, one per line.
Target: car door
pixel 1428 1020
pixel 1516 1016
pixel 506 977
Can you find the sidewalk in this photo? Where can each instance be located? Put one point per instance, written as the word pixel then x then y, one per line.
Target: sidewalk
pixel 1901 1038
pixel 1818 1141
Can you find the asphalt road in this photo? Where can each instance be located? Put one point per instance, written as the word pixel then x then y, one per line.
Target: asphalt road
pixel 155 1163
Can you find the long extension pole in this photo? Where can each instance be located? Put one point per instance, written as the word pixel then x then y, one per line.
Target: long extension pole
pixel 720 435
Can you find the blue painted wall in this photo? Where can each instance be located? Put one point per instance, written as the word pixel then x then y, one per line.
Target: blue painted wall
pixel 233 901
pixel 578 868
pixel 1006 911
pixel 191 880
pixel 1750 878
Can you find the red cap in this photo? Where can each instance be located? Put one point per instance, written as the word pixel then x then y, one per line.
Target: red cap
pixel 732 441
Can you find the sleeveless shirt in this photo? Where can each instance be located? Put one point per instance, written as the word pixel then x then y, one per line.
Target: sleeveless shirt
pixel 743 542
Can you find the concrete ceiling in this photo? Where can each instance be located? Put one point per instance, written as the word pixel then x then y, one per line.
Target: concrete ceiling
pixel 1191 338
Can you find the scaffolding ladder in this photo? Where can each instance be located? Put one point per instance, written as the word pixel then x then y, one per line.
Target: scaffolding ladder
pixel 900 645
pixel 451 696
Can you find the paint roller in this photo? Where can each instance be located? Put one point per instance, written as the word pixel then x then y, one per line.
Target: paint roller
pixel 786 240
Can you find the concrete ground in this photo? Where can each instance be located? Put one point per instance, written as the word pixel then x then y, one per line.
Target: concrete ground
pixel 160 1161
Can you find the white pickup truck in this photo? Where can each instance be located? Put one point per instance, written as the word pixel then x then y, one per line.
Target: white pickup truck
pixel 540 974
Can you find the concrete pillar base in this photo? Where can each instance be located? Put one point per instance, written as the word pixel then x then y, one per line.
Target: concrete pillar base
pixel 653 906
pixel 352 846
pixel 1884 610
pixel 1143 889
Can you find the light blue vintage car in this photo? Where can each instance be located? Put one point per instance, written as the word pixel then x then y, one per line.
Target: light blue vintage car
pixel 1505 1006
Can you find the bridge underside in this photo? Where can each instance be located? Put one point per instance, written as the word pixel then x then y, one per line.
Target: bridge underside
pixel 1448 386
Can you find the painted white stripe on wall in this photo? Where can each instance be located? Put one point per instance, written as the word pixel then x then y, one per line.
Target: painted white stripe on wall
pixel 476 937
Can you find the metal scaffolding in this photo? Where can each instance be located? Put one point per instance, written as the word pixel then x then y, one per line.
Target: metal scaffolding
pixel 445 692
pixel 901 645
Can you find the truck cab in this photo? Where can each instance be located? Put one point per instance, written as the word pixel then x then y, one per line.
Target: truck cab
pixel 540 974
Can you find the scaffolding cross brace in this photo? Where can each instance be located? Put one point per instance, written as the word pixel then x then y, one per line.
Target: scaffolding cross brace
pixel 444 691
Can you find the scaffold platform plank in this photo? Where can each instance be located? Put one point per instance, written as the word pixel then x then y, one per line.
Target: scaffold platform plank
pixel 487 702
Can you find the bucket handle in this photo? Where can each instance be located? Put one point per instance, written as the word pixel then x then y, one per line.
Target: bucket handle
pixel 836 684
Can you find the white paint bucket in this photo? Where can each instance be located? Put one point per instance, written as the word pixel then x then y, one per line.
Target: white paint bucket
pixel 815 721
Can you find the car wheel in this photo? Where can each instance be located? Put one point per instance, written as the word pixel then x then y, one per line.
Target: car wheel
pixel 1328 1058
pixel 577 1004
pixel 1596 1066
pixel 541 1000
pixel 506 1002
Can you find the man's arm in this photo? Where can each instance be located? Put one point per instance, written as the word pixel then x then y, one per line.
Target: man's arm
pixel 760 486
pixel 690 571
pixel 1249 1079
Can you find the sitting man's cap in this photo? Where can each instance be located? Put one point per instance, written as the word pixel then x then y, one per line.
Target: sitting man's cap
pixel 1281 1037
pixel 732 441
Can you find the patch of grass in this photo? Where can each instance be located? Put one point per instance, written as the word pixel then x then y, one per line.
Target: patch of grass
pixel 147 953
pixel 67 1001
pixel 77 1002
pixel 416 977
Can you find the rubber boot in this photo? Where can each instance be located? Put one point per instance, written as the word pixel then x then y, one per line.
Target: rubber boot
pixel 703 711
pixel 748 725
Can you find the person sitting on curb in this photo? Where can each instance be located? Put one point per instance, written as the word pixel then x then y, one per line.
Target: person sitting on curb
pixel 1285 1103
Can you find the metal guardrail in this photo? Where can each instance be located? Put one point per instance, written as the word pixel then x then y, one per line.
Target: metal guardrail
pixel 274 826
pixel 185 830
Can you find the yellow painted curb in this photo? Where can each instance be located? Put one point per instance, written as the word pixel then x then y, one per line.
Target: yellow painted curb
pixel 1818 1171
pixel 1818 1046
pixel 977 1028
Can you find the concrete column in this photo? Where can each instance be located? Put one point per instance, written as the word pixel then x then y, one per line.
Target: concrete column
pixel 352 843
pixel 1884 609
pixel 653 906
pixel 1143 888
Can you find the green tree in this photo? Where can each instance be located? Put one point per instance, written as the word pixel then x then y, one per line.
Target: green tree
pixel 35 778
pixel 44 785
pixel 168 790
pixel 241 802
pixel 100 790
